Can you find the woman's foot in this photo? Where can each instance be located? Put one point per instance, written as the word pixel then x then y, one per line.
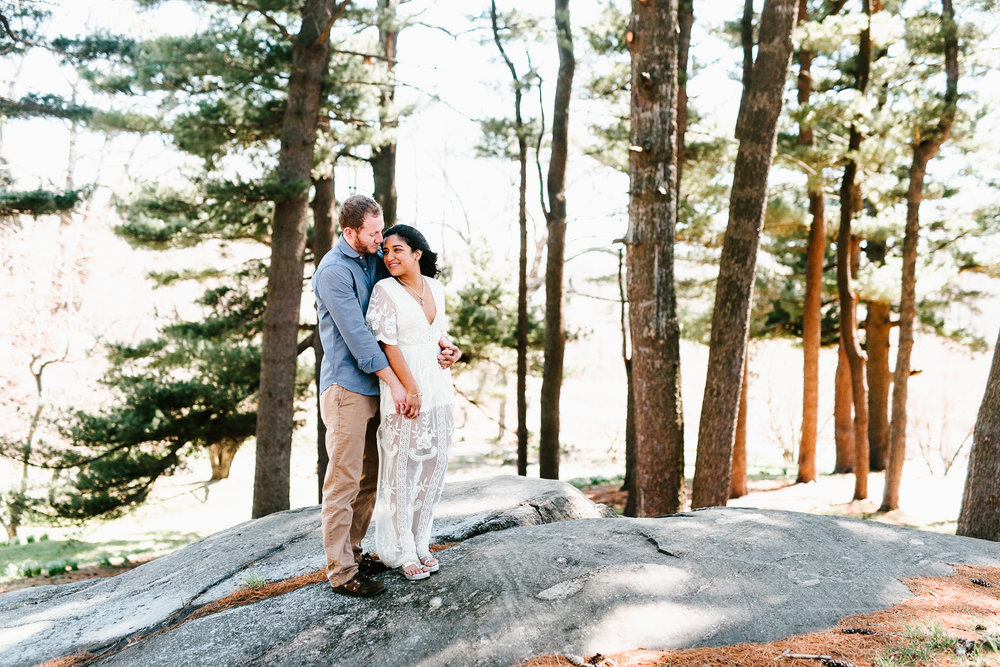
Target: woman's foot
pixel 415 571
pixel 431 563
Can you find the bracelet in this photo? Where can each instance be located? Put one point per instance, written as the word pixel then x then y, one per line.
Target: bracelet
pixel 419 393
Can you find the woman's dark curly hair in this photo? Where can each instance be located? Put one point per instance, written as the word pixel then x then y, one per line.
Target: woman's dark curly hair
pixel 413 238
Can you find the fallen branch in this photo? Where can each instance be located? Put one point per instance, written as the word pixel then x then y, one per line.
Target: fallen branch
pixel 804 656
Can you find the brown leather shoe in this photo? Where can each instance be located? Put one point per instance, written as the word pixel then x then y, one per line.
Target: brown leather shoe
pixel 360 586
pixel 370 564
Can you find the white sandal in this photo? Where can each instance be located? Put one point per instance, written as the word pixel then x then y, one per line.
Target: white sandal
pixel 423 574
pixel 431 568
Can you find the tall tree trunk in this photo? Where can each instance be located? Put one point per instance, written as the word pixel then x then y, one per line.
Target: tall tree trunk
pixel 522 301
pixel 16 505
pixel 877 326
pixel 980 514
pixel 383 159
pixel 323 205
pixel 746 43
pixel 685 20
pixel 927 146
pixel 522 264
pixel 654 328
pixel 843 414
pixel 275 409
pixel 813 300
pixel 737 266
pixel 555 218
pixel 738 479
pixel 629 483
pixel 850 204
pixel 849 330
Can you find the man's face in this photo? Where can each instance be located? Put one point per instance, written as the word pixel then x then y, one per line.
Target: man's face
pixel 368 238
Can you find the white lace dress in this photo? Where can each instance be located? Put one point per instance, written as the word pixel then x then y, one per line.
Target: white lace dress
pixel 413 453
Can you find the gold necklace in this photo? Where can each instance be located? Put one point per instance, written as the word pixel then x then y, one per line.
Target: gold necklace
pixel 420 296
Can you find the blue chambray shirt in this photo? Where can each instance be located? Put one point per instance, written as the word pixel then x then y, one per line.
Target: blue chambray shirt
pixel 343 284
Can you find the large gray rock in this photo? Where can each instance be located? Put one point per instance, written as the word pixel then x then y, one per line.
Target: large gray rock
pixel 709 577
pixel 37 624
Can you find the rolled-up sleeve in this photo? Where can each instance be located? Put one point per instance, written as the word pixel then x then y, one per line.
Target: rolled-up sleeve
pixel 335 288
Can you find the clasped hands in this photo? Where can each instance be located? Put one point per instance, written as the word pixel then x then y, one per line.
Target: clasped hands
pixel 448 355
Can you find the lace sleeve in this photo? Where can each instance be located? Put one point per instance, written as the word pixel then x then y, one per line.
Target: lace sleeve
pixel 381 317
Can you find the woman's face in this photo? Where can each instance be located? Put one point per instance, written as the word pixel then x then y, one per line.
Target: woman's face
pixel 399 257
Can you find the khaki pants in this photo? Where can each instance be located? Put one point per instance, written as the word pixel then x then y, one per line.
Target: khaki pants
pixel 351 477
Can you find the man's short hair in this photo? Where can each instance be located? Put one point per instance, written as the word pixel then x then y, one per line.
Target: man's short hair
pixel 355 209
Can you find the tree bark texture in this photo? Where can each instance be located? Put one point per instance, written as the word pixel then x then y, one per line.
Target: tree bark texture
pixel 980 514
pixel 926 147
pixel 738 479
pixel 555 334
pixel 323 204
pixel 849 332
pixel 843 414
pixel 522 263
pixel 383 159
pixel 685 20
pixel 877 326
pixel 276 409
pixel 813 300
pixel 737 266
pixel 850 204
pixel 746 43
pixel 653 324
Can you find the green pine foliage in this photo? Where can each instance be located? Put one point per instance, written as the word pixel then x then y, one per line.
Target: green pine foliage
pixel 191 387
pixel 38 202
pixel 219 96
pixel 903 102
pixel 483 320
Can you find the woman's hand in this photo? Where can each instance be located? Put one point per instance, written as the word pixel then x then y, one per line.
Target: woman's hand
pixel 449 353
pixel 413 401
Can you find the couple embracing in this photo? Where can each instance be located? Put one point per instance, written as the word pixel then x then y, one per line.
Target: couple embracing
pixel 386 398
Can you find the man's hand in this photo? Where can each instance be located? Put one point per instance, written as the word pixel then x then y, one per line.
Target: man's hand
pixel 398 396
pixel 449 353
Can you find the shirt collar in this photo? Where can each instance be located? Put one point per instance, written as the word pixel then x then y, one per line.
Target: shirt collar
pixel 346 248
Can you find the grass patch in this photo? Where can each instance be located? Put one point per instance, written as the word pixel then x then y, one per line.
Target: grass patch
pixel 580 482
pixel 921 645
pixel 51 557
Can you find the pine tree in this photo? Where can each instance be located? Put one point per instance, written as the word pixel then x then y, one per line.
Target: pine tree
pixel 658 476
pixel 521 129
pixel 730 317
pixel 219 97
pixel 980 513
pixel 555 219
pixel 192 388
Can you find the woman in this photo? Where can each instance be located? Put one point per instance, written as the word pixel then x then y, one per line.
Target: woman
pixel 407 317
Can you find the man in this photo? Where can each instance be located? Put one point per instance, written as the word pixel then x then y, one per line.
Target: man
pixel 352 364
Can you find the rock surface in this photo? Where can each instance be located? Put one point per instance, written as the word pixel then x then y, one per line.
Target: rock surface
pixel 709 577
pixel 37 624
